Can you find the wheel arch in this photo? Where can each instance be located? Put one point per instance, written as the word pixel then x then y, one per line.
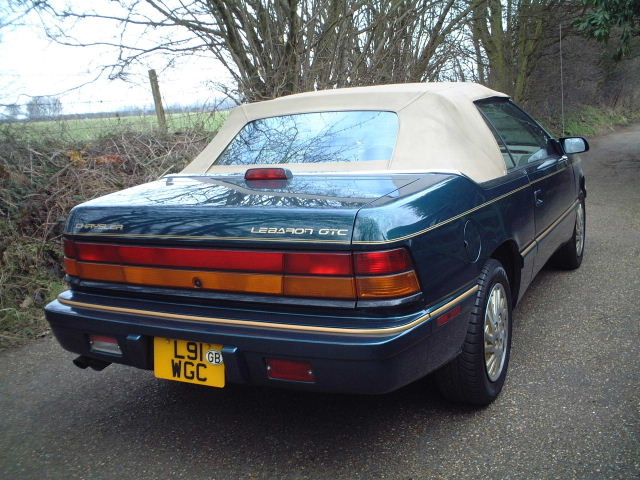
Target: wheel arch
pixel 583 187
pixel 508 255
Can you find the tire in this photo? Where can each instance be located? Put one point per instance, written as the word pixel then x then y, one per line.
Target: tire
pixel 477 375
pixel 569 256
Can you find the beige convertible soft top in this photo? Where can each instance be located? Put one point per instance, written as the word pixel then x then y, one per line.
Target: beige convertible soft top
pixel 440 128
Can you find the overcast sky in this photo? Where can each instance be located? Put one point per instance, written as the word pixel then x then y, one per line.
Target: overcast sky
pixel 31 65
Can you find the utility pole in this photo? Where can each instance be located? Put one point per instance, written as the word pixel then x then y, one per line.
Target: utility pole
pixel 157 100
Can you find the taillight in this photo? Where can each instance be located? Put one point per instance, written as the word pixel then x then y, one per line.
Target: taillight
pixel 388 286
pixel 69 248
pixel 318 263
pixel 339 275
pixel 179 257
pixel 377 263
pixel 319 286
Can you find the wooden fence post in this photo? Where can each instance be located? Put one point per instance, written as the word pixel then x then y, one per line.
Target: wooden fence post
pixel 157 100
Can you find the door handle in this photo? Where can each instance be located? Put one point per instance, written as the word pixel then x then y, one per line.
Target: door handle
pixel 537 195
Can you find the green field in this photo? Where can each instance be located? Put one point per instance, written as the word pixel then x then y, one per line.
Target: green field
pixel 91 128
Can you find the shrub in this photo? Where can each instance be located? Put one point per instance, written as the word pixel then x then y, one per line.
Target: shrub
pixel 42 176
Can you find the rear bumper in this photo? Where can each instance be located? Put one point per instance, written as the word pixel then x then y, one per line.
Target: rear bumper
pixel 346 359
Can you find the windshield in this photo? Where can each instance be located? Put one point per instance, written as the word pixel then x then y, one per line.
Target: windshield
pixel 353 136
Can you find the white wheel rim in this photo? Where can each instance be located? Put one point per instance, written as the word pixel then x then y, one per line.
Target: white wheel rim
pixel 496 331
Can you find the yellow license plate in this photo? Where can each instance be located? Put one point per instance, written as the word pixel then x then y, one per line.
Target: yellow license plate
pixel 188 361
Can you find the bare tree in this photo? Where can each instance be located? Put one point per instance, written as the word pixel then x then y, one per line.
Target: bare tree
pixel 13 11
pixel 13 111
pixel 277 47
pixel 44 107
pixel 510 37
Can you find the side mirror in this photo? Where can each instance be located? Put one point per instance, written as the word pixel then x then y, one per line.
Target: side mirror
pixel 574 144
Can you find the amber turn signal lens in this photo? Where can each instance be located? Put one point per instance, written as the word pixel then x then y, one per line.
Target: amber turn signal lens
pixel 164 277
pixel 70 267
pixel 388 286
pixel 328 287
pixel 101 271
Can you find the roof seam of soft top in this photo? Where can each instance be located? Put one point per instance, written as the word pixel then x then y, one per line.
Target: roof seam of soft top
pixel 244 111
pixel 413 100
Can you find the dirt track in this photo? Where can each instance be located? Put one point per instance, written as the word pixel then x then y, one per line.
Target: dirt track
pixel 570 408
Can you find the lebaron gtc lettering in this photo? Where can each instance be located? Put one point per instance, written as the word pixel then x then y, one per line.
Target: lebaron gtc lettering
pixel 300 231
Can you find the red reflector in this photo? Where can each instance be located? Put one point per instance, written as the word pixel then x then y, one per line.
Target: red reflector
pixel 442 319
pixel 378 263
pixel 267 174
pixel 318 263
pixel 280 369
pixel 69 248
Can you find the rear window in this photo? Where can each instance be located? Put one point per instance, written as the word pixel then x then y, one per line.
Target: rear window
pixel 354 136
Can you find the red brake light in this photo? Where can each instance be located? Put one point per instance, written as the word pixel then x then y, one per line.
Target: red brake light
pixel 180 257
pixel 318 263
pixel 268 174
pixel 69 248
pixel 377 263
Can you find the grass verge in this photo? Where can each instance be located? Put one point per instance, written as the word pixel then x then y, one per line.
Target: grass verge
pixel 588 120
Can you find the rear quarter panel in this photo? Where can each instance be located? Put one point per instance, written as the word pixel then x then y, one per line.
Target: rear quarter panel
pixel 432 221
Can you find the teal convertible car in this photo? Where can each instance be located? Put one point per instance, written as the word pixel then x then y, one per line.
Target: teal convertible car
pixel 350 240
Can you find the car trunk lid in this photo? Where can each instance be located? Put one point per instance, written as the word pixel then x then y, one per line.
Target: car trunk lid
pixel 228 209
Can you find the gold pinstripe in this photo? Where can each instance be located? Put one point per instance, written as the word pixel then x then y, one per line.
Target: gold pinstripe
pixel 548 230
pixel 457 217
pixel 206 237
pixel 526 251
pixel 290 327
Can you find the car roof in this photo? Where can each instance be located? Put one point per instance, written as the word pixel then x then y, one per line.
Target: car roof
pixel 440 128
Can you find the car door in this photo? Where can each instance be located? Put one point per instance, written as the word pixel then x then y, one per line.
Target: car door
pixel 531 148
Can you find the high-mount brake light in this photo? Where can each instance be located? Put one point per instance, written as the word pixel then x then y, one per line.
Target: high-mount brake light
pixel 268 174
pixel 333 275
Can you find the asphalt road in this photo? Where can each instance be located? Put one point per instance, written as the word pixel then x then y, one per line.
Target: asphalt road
pixel 570 407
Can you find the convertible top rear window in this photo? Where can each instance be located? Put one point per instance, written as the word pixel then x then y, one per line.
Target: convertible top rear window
pixel 351 136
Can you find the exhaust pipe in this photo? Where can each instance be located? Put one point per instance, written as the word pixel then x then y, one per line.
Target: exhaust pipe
pixel 84 362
